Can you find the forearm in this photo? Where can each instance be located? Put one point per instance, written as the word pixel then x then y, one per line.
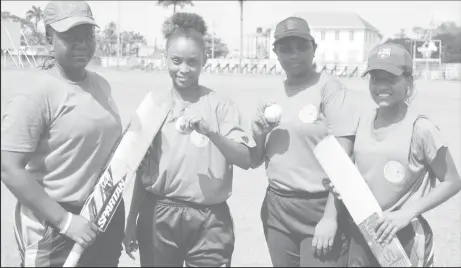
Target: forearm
pixel 444 191
pixel 236 153
pixel 331 207
pixel 136 199
pixel 31 194
pixel 257 152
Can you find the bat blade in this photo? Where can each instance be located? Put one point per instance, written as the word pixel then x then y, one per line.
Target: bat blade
pixel 359 200
pixel 126 157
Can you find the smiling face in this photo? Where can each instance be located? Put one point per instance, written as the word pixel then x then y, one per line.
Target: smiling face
pixel 185 61
pixel 387 89
pixel 295 54
pixel 74 48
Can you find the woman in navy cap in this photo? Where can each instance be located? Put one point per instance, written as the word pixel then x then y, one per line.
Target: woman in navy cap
pixel 300 217
pixel 57 135
pixel 401 154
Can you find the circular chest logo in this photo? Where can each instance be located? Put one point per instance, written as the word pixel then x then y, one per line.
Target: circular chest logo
pixel 308 114
pixel 198 139
pixel 394 171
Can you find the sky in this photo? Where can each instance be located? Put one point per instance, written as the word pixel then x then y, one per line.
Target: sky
pixel 224 16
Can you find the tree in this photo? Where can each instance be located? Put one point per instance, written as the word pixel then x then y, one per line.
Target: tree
pixel 180 3
pixel 450 35
pixel 35 14
pixel 27 28
pixel 138 40
pixel 220 48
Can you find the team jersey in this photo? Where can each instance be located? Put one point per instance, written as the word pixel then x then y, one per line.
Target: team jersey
pixel 190 167
pixel 395 160
pixel 309 114
pixel 69 129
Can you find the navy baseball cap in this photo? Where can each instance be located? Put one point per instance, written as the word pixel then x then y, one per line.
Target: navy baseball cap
pixel 390 57
pixel 292 26
pixel 63 15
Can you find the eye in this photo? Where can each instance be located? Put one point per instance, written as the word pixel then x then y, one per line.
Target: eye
pixel 176 60
pixel 192 62
pixel 285 49
pixel 303 46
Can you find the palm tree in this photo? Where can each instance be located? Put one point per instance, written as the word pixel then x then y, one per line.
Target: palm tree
pixel 180 3
pixel 241 33
pixel 35 14
pixel 138 39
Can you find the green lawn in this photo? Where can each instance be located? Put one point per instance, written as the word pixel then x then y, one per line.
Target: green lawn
pixel 441 101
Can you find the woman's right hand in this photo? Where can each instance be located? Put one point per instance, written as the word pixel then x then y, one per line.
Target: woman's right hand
pixel 259 124
pixel 130 241
pixel 82 231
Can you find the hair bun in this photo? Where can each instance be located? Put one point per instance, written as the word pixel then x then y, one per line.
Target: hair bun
pixel 184 21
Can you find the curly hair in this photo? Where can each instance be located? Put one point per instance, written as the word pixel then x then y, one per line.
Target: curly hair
pixel 183 24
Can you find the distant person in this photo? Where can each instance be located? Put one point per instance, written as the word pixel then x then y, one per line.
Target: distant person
pixel 57 135
pixel 400 154
pixel 182 187
pixel 299 216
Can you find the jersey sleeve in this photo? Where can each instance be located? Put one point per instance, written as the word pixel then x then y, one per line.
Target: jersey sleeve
pixel 230 124
pixel 427 139
pixel 338 109
pixel 23 122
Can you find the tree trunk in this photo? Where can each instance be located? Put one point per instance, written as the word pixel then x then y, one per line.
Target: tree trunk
pixel 174 7
pixel 241 35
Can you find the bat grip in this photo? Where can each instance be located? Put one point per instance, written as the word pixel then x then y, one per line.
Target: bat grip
pixel 74 256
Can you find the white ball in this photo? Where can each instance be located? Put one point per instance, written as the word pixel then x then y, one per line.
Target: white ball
pixel 181 126
pixel 273 113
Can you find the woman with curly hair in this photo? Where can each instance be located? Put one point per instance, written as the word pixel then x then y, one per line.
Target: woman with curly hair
pixel 181 190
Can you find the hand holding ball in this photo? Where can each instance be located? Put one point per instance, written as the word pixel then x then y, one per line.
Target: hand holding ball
pixel 181 126
pixel 273 113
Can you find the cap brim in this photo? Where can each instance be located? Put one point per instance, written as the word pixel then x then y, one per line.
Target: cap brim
pixel 294 34
pixel 67 23
pixel 385 67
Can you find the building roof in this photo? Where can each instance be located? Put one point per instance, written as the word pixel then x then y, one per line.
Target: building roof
pixel 335 20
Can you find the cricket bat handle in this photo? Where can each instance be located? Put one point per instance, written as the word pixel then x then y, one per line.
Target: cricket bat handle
pixel 74 256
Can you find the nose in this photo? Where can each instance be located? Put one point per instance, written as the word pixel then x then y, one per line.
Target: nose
pixel 294 54
pixel 184 68
pixel 80 43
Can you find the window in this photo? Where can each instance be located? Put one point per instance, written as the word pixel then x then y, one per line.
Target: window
pixel 322 35
pixel 336 35
pixel 351 35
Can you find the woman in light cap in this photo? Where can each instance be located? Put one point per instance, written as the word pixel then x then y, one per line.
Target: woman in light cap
pixel 400 153
pixel 57 135
pixel 300 217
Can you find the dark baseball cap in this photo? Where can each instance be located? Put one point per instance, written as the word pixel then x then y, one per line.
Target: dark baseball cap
pixel 292 26
pixel 63 15
pixel 390 57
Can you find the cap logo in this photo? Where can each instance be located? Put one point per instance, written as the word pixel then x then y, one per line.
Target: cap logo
pixel 291 25
pixel 77 9
pixel 384 53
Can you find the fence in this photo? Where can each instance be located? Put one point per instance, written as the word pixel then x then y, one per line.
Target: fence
pixel 451 71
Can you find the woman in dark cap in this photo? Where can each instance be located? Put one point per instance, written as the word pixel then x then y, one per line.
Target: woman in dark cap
pixel 57 135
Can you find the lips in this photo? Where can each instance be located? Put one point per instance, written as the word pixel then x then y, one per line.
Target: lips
pixel 383 95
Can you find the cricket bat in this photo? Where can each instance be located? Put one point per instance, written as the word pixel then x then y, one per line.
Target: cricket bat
pixel 124 161
pixel 359 200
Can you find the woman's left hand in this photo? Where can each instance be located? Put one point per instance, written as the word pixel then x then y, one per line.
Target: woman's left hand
pixel 390 223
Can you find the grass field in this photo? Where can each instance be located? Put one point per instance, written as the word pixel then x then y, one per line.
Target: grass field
pixel 441 101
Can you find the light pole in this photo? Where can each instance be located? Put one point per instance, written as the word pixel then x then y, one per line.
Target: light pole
pixel 118 33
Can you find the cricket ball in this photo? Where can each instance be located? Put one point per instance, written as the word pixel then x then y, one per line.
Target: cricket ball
pixel 273 113
pixel 181 126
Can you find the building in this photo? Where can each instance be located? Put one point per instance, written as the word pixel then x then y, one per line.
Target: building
pixel 342 37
